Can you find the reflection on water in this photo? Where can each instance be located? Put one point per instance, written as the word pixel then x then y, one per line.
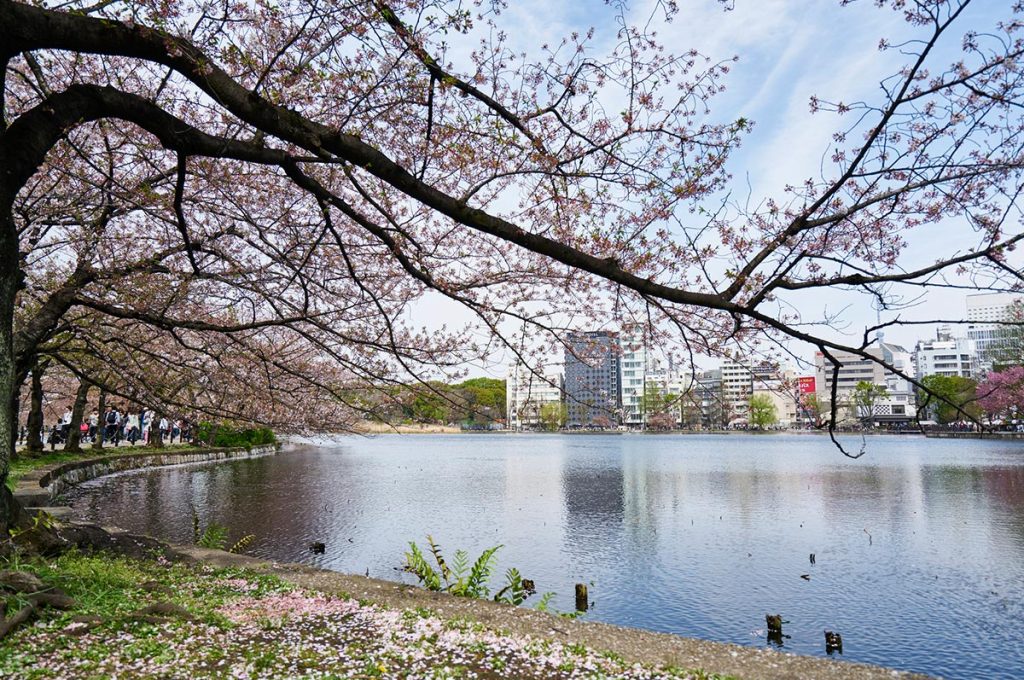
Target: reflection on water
pixel 919 546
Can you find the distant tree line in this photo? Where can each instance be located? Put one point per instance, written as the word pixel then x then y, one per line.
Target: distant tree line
pixel 477 401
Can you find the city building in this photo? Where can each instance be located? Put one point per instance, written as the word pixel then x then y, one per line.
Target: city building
pixel 737 386
pixel 532 397
pixel 592 394
pixel 673 391
pixel 740 380
pixel 988 307
pixel 633 364
pixel 986 336
pixel 713 413
pixel 945 355
pixel 782 388
pixel 783 399
pixel 897 407
pixel 808 405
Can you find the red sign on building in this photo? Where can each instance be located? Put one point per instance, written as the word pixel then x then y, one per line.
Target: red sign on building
pixel 807 385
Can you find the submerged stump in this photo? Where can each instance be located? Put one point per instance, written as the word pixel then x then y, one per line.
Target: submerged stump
pixel 833 642
pixel 581 597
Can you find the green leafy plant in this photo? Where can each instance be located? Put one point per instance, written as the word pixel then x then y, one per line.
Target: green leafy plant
pixel 545 602
pixel 41 521
pixel 215 536
pixel 514 592
pixel 462 578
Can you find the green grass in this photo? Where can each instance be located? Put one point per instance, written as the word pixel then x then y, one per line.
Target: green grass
pixel 27 462
pixel 112 588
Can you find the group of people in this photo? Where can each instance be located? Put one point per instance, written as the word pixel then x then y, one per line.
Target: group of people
pixel 117 424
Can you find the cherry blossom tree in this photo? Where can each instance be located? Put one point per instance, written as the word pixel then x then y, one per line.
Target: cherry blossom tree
pixel 1001 395
pixel 247 195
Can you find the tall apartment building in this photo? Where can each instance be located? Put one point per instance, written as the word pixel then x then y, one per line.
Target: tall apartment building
pixel 982 310
pixel 714 412
pixel 592 391
pixel 945 355
pixel 739 382
pixel 527 394
pixel 737 386
pixel 633 366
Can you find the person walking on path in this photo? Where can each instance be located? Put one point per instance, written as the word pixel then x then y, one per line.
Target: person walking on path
pixel 131 429
pixel 55 434
pixel 65 425
pixel 112 430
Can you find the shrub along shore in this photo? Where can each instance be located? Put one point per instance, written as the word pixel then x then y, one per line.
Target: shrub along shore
pixel 142 609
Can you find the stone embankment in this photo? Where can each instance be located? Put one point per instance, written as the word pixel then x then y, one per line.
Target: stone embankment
pixel 953 434
pixel 40 488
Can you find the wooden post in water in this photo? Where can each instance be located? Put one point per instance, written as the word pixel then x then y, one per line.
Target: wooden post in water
pixel 833 642
pixel 581 597
pixel 774 622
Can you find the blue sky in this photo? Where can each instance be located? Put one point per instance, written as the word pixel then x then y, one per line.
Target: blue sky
pixel 788 51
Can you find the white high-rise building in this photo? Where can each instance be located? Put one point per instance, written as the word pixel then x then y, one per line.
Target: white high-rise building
pixel 986 337
pixel 945 355
pixel 526 395
pixel 740 380
pixel 984 307
pixel 737 386
pixel 633 366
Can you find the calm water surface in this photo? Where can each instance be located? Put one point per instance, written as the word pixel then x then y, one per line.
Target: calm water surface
pixel 919 545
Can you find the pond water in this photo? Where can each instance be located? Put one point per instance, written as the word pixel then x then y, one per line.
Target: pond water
pixel 919 545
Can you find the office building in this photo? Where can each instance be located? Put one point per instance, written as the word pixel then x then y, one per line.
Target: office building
pixel 592 394
pixel 945 355
pixel 633 365
pixel 899 404
pixel 988 338
pixel 532 397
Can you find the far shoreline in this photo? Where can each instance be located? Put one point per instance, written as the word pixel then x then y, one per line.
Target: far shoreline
pixel 450 430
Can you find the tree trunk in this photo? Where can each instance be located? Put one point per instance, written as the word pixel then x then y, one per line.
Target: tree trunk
pixel 10 278
pixel 34 424
pixel 156 435
pixel 15 408
pixel 101 423
pixel 74 442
